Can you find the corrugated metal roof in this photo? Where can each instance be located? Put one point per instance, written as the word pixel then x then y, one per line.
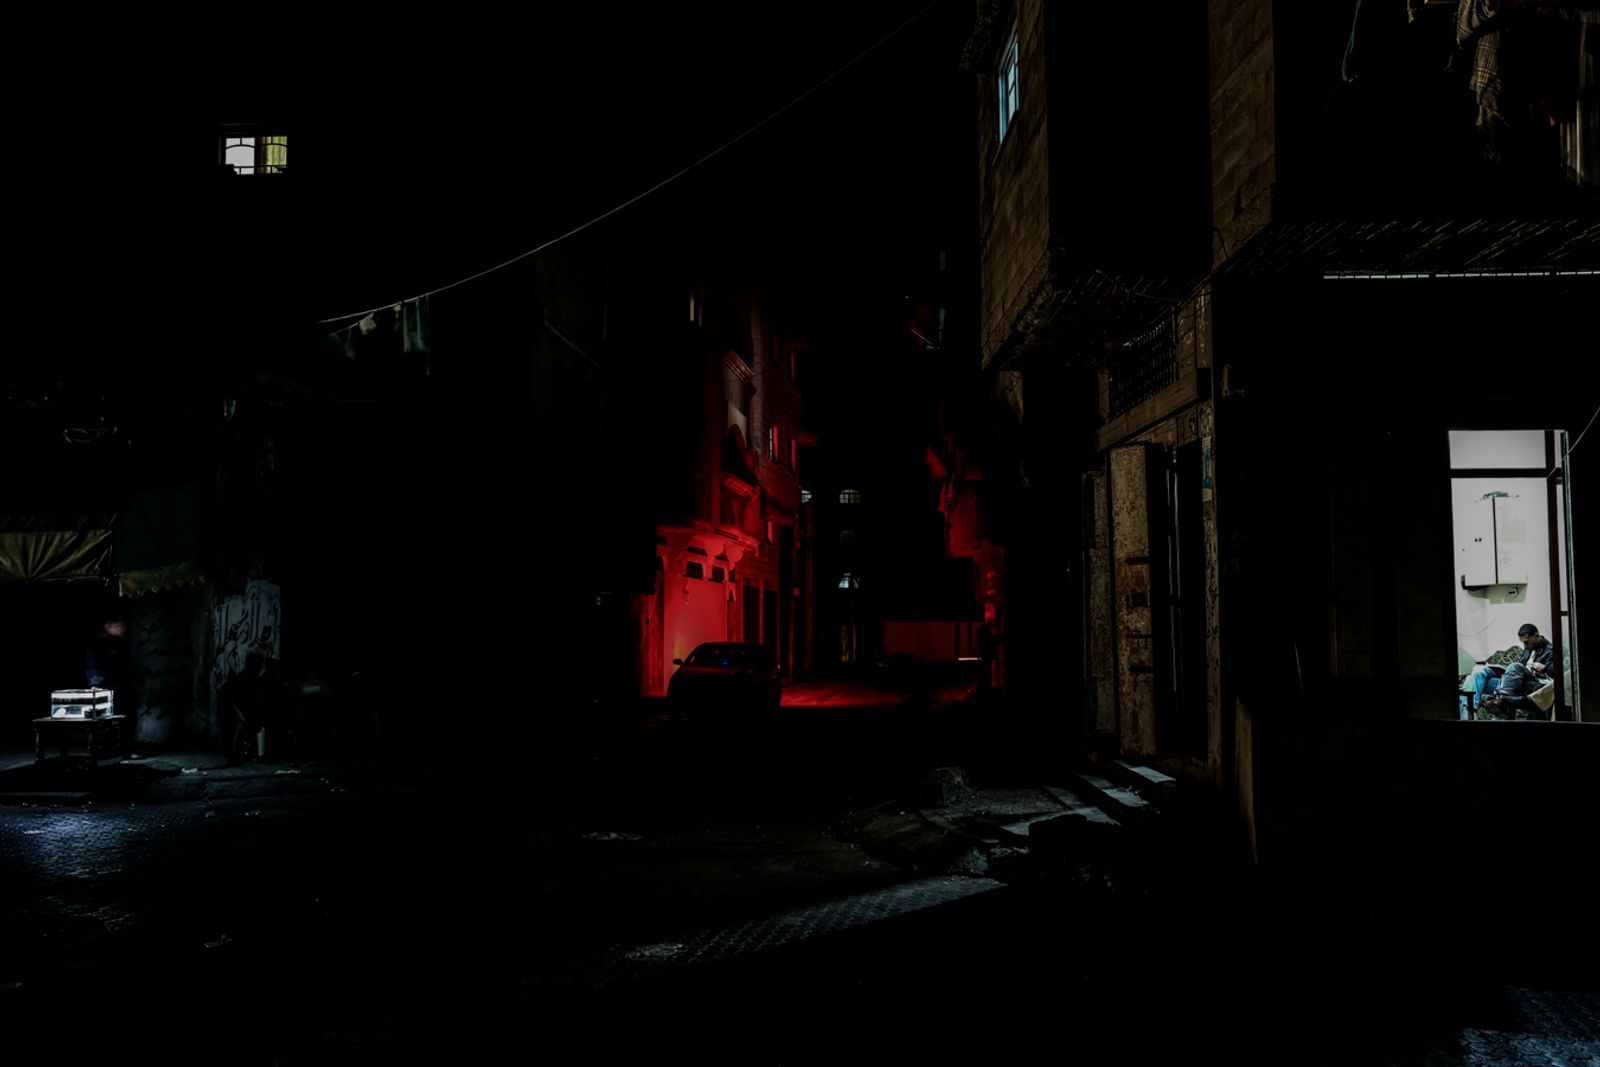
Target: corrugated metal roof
pixel 1396 245
pixel 1085 309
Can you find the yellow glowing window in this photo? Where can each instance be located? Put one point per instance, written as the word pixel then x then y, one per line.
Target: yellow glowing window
pixel 267 154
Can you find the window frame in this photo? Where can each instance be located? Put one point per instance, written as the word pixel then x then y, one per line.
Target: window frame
pixel 1007 88
pixel 259 141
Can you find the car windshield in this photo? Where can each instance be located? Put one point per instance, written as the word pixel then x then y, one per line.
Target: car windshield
pixel 726 656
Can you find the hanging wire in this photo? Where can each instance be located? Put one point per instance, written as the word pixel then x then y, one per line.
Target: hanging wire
pixel 652 189
pixel 1350 46
pixel 1556 470
pixel 1585 430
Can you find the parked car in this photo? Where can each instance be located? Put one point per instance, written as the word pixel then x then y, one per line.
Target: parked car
pixel 725 678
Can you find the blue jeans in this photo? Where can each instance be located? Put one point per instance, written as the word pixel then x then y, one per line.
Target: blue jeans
pixel 1483 679
pixel 1518 682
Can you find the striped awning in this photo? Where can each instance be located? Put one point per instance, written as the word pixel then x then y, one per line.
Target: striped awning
pixel 153 542
pixel 55 550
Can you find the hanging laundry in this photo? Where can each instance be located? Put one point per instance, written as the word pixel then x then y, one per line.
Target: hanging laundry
pixel 1526 74
pixel 1478 25
pixel 339 341
pixel 414 325
pixel 1580 136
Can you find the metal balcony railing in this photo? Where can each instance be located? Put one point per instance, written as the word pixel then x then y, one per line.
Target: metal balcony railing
pixel 1142 366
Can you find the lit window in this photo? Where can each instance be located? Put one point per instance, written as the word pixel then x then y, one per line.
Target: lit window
pixel 849 496
pixel 849 581
pixel 772 442
pixel 1007 83
pixel 794 455
pixel 268 154
pixel 694 306
pixel 772 533
pixel 805 496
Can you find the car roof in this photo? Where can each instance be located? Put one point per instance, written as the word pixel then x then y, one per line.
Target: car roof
pixel 731 646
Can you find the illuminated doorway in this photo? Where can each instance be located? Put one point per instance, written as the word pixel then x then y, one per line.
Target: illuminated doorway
pixel 1512 556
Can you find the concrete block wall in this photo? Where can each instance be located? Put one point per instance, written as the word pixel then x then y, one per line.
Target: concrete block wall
pixel 171 699
pixel 778 400
pixel 1013 182
pixel 1243 122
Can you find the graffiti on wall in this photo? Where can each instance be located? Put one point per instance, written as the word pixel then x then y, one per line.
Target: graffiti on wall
pixel 241 624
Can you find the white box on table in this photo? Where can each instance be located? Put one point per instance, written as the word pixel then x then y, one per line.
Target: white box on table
pixel 81 703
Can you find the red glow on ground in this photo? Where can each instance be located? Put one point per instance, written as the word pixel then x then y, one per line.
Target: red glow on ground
pixel 864 693
pixel 840 693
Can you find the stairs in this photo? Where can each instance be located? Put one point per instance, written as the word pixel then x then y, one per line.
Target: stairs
pixel 1120 822
pixel 1099 820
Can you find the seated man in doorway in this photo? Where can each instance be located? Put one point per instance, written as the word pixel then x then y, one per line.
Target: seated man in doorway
pixel 1531 672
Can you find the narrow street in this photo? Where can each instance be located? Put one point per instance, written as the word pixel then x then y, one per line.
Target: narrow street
pixel 805 533
pixel 677 896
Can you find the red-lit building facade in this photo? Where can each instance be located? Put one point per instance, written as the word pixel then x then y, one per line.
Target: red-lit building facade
pixel 732 554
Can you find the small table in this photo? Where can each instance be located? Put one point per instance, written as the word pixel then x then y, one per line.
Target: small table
pixel 97 728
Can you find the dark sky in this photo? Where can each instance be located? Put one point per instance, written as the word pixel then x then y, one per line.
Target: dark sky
pixel 478 136
pixel 596 107
pixel 501 128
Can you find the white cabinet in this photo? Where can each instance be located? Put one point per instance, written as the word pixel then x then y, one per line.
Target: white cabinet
pixel 1475 557
pixel 1510 541
pixel 1492 546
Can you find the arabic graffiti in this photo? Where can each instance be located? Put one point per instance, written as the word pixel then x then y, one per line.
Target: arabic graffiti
pixel 242 624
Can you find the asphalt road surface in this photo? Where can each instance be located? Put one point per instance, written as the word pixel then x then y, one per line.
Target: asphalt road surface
pixel 656 890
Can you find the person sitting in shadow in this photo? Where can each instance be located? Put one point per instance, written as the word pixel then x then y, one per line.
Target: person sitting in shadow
pixel 106 658
pixel 254 697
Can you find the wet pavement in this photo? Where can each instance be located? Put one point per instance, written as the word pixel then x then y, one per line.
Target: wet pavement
pixel 653 893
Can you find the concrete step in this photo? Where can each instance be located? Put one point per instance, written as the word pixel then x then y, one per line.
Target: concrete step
pixel 1017 832
pixel 1156 787
pixel 1119 801
pixel 1081 832
pixel 1173 805
pixel 997 817
pixel 1148 782
pixel 1076 805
